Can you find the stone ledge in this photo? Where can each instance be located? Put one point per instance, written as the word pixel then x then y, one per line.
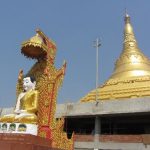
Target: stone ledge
pixel 104 107
pixel 145 138
pixel 110 146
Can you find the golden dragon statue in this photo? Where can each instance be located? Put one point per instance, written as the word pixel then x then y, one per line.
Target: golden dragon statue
pixel 48 81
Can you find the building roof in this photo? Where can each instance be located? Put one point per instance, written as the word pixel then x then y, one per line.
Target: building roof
pixel 103 108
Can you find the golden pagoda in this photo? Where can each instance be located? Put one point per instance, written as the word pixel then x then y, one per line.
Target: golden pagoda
pixel 131 75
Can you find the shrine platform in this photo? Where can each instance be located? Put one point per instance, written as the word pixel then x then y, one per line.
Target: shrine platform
pixel 24 142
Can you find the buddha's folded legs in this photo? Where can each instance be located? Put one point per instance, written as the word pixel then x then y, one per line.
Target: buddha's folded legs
pixel 30 119
pixel 8 118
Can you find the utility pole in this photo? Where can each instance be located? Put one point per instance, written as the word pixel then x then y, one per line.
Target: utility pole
pixel 97 129
pixel 97 44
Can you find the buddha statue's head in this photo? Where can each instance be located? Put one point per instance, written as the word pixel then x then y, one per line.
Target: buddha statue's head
pixel 29 83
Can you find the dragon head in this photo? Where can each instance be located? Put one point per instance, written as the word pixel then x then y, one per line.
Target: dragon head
pixel 38 47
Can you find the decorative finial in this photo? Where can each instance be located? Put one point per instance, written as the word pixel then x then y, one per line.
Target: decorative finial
pixel 126 14
pixel 38 30
pixel 127 17
pixel 125 11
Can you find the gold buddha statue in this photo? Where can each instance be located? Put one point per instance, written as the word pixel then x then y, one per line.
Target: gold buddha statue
pixel 26 106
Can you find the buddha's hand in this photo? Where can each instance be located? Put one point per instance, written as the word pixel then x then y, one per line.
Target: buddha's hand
pixel 20 76
pixel 22 111
pixel 17 111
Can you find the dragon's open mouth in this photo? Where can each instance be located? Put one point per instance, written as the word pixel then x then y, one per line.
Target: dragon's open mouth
pixel 34 48
pixel 33 51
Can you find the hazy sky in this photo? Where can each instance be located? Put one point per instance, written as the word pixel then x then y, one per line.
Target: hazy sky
pixel 73 25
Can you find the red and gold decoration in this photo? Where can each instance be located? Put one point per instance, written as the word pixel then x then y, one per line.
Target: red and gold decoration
pixel 48 81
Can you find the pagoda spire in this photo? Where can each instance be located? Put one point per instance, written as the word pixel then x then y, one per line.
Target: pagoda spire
pixel 129 38
pixel 132 62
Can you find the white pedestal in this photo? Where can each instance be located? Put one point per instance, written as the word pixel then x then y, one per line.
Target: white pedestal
pixel 21 128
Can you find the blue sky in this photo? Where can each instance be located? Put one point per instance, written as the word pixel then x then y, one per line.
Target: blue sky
pixel 73 25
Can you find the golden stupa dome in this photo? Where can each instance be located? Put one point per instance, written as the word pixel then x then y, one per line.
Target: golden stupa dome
pixel 131 76
pixel 34 47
